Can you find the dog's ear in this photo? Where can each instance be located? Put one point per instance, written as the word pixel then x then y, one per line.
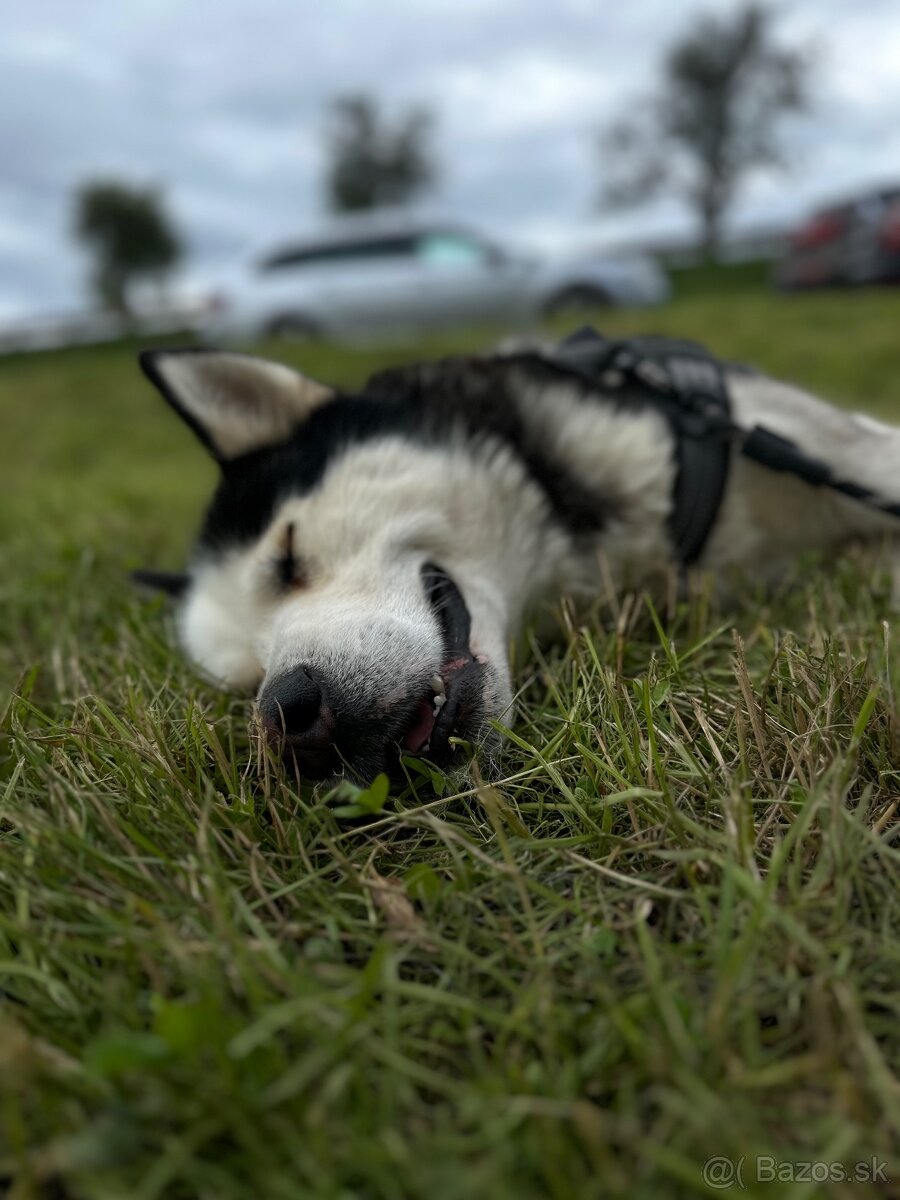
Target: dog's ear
pixel 233 402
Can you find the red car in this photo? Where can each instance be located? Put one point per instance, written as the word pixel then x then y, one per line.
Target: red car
pixel 849 244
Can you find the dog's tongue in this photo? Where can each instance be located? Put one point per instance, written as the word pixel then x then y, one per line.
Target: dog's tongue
pixel 421 728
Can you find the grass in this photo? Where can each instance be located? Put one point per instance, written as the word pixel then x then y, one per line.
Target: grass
pixel 670 932
pixel 711 279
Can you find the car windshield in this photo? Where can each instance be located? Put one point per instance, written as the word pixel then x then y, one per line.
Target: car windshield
pixel 450 249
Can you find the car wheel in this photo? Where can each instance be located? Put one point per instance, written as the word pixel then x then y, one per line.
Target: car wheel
pixel 294 327
pixel 576 301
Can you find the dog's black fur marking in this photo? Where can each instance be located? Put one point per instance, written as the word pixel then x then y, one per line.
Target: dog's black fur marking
pixel 427 404
pixel 172 583
pixel 478 394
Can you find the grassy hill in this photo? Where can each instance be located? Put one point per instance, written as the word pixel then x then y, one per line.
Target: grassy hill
pixel 671 933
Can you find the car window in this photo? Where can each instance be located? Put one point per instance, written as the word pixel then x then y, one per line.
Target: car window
pixel 339 252
pixel 450 250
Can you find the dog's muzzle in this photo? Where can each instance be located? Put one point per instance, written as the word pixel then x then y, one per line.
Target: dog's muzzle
pixel 326 732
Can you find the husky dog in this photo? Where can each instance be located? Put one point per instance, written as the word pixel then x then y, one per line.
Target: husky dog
pixel 366 557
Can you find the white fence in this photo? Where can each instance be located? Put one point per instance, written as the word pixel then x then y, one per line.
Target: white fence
pixel 95 328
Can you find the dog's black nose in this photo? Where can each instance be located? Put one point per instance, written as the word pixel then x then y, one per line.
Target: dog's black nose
pixel 292 708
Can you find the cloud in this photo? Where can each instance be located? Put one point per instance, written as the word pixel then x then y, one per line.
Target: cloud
pixel 223 105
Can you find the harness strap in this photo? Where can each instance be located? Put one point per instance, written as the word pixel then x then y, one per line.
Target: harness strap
pixel 780 454
pixel 683 381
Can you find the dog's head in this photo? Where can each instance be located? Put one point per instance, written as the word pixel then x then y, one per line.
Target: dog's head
pixel 339 571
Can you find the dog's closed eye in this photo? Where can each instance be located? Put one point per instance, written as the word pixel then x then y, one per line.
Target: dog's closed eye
pixel 290 570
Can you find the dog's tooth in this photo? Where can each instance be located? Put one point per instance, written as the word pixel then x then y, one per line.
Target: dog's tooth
pixel 437 685
pixel 427 746
pixel 439 702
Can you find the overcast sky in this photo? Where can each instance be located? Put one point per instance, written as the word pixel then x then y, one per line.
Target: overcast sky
pixel 222 103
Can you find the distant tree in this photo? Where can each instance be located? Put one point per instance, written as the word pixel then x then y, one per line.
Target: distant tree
pixel 725 86
pixel 129 234
pixel 371 162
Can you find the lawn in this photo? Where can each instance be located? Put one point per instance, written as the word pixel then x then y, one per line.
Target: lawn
pixel 671 932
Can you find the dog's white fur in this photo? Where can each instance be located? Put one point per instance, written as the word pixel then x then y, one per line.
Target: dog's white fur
pixel 384 506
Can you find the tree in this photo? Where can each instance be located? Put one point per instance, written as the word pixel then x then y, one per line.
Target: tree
pixel 725 86
pixel 129 234
pixel 371 163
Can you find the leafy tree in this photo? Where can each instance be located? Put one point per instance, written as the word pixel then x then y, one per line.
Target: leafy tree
pixel 371 162
pixel 129 234
pixel 713 120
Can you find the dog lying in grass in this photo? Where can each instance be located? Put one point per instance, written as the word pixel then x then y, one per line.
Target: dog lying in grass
pixel 366 558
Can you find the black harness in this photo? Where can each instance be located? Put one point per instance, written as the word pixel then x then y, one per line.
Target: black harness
pixel 684 382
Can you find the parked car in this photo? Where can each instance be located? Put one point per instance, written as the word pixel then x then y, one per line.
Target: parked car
pixel 370 276
pixel 847 244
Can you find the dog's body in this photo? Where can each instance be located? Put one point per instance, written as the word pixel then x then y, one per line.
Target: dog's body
pixel 367 558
